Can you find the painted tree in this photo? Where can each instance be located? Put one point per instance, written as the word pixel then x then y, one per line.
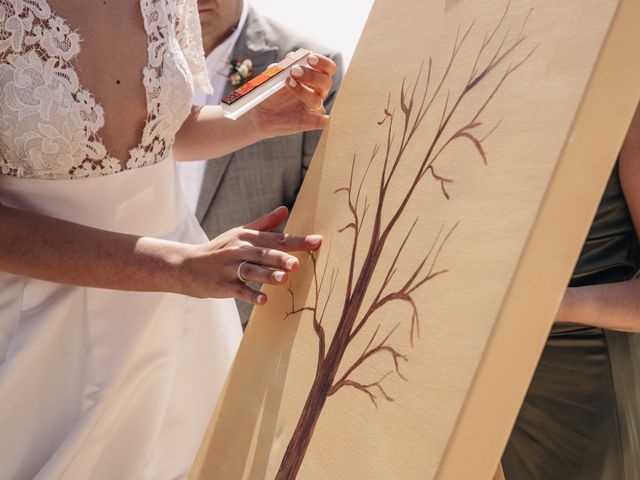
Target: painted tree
pixel 500 54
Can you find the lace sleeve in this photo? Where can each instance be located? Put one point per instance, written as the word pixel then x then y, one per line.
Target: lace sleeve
pixel 190 40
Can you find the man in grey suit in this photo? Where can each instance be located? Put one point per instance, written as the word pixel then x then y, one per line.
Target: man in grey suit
pixel 235 189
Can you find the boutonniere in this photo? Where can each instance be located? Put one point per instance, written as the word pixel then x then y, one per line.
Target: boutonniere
pixel 241 71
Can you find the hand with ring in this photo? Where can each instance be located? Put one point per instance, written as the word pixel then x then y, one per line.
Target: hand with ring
pixel 300 106
pixel 254 253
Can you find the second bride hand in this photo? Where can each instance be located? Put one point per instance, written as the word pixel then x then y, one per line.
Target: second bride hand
pixel 293 109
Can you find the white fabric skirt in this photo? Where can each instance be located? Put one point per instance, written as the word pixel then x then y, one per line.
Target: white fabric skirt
pixel 104 384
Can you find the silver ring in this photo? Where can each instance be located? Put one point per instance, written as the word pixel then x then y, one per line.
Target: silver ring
pixel 239 272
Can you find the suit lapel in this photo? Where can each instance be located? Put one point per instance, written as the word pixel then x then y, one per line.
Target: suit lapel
pixel 252 43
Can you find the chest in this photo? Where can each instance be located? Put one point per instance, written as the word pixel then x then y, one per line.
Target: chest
pixel 90 87
pixel 113 43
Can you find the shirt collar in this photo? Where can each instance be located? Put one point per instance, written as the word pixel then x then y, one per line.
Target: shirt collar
pixel 218 60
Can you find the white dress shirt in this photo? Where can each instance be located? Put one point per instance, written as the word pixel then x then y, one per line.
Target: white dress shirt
pixel 218 68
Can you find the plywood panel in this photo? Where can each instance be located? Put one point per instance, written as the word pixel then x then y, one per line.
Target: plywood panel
pixel 464 160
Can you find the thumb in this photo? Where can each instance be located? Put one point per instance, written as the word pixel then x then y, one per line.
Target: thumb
pixel 269 221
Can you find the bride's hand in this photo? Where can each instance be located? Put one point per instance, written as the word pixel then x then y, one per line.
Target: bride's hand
pixel 211 269
pixel 299 106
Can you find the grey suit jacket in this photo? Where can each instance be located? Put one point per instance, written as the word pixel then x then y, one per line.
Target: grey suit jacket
pixel 239 187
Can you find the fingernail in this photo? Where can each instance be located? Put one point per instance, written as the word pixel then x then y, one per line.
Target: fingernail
pixel 261 299
pixel 312 59
pixel 293 83
pixel 314 240
pixel 278 276
pixel 291 263
pixel 297 71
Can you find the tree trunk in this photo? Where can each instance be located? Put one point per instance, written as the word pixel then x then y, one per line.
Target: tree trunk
pixel 325 376
pixel 303 432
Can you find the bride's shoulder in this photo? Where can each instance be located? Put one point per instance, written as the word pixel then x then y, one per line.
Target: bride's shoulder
pixel 189 37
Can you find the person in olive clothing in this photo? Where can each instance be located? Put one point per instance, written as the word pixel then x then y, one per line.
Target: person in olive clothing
pixel 581 417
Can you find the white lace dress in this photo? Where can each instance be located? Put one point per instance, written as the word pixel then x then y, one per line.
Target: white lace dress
pixel 101 384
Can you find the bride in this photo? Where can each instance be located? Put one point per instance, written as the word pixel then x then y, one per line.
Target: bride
pixel 109 367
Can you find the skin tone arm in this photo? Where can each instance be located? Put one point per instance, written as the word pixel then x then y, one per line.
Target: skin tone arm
pixel 614 306
pixel 55 250
pixel 63 252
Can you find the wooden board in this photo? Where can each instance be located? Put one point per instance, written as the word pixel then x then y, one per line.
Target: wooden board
pixel 467 153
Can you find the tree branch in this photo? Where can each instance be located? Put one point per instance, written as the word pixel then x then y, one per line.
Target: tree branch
pixel 381 348
pixel 428 161
pixel 367 389
pixel 317 317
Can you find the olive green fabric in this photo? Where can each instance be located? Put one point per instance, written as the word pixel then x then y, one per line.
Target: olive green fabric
pixel 581 416
pixel 611 251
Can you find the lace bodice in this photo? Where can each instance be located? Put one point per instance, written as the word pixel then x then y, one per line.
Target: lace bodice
pixel 50 125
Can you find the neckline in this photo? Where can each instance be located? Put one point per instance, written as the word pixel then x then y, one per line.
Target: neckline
pixel 108 158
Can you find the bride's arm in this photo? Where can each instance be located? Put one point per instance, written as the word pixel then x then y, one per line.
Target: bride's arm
pixel 296 108
pixel 55 250
pixel 207 134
